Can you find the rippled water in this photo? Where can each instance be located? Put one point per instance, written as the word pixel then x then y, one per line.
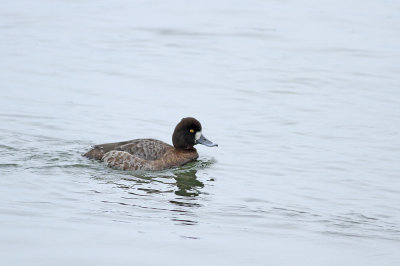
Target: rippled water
pixel 301 96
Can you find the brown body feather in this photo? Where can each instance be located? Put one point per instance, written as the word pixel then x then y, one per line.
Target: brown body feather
pixel 141 154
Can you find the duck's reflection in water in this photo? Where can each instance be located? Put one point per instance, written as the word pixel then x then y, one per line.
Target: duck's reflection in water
pixel 187 183
pixel 156 191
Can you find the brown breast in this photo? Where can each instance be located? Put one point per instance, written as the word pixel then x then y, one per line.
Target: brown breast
pixel 174 158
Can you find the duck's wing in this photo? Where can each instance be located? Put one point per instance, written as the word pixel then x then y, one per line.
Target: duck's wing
pixel 147 149
pixel 98 151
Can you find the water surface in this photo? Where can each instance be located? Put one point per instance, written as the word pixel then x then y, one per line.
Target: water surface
pixel 301 96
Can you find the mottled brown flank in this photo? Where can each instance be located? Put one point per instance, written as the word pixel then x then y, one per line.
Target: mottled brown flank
pixel 141 154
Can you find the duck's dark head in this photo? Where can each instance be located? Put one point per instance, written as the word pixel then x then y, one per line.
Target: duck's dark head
pixel 188 133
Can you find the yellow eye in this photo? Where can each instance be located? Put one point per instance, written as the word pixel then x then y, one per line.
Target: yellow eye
pixel 191 131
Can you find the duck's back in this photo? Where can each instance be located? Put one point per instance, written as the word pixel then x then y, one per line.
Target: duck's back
pixel 147 149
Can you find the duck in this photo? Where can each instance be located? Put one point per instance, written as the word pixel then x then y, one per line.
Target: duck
pixel 151 154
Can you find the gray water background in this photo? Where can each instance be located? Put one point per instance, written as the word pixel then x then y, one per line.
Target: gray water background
pixel 301 96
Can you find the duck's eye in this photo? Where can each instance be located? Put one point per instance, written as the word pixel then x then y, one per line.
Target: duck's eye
pixel 191 130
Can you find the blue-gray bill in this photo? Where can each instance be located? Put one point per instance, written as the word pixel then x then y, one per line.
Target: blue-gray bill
pixel 203 140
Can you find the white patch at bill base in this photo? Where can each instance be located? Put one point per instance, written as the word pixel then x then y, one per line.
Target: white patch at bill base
pixel 197 136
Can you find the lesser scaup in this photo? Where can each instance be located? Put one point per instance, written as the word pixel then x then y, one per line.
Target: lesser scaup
pixel 152 154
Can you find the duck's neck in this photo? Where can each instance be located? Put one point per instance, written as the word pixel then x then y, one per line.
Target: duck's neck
pixel 190 150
